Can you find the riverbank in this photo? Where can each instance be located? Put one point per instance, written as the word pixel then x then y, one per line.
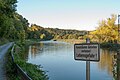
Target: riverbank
pixel 110 46
pixel 72 41
pixel 34 71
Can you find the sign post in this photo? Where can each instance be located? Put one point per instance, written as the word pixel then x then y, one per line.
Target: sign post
pixel 87 65
pixel 87 70
pixel 87 52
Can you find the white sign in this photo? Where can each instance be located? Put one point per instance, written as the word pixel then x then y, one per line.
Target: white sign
pixel 87 52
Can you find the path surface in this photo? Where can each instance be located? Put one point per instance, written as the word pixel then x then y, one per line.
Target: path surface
pixel 3 51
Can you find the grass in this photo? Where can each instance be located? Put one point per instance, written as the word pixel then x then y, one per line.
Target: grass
pixel 3 41
pixel 34 71
pixel 10 70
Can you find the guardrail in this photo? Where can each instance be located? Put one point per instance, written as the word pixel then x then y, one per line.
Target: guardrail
pixel 22 74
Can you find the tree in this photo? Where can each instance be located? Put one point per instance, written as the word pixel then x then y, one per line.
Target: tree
pixel 107 30
pixel 21 36
pixel 7 10
pixel 42 36
pixel 12 25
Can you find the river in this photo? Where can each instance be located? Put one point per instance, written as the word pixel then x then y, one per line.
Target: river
pixel 57 59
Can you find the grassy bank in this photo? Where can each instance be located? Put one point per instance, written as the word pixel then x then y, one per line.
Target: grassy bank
pixel 10 70
pixel 34 71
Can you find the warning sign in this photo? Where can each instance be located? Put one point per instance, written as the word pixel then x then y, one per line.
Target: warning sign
pixel 87 52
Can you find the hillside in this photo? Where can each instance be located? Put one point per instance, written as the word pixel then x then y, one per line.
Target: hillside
pixel 38 32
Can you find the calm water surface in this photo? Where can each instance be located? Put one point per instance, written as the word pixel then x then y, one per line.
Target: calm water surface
pixel 57 58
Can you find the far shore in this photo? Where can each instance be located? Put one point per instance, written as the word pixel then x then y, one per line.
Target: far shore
pixel 73 41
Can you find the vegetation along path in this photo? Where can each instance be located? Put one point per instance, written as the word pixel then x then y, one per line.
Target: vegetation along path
pixel 3 51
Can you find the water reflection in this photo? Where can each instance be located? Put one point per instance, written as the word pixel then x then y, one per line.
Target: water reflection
pixel 106 61
pixel 57 58
pixel 47 48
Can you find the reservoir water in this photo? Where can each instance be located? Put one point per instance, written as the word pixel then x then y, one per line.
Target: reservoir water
pixel 57 59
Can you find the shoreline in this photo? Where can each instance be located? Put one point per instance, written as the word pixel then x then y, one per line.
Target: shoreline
pixel 72 41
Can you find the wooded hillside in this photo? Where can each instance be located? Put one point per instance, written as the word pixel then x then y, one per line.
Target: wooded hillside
pixel 38 32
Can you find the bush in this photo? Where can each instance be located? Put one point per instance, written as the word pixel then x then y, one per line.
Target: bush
pixel 3 41
pixel 10 70
pixel 32 70
pixel 111 46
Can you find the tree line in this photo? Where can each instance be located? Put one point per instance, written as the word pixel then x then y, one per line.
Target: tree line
pixel 38 32
pixel 14 26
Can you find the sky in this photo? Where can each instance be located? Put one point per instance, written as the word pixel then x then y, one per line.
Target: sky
pixel 68 14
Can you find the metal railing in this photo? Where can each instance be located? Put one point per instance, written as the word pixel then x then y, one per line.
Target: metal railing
pixel 22 74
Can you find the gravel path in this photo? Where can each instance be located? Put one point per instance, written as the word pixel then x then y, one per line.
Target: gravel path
pixel 3 51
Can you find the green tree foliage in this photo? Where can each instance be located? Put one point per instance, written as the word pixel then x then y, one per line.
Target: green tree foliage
pixel 36 32
pixel 20 24
pixel 66 34
pixel 42 36
pixel 14 26
pixel 8 7
pixel 11 23
pixel 107 31
pixel 7 10
pixel 21 36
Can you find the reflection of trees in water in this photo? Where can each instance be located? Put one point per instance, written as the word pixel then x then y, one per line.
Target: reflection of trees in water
pixel 35 49
pixel 57 48
pixel 48 48
pixel 106 61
